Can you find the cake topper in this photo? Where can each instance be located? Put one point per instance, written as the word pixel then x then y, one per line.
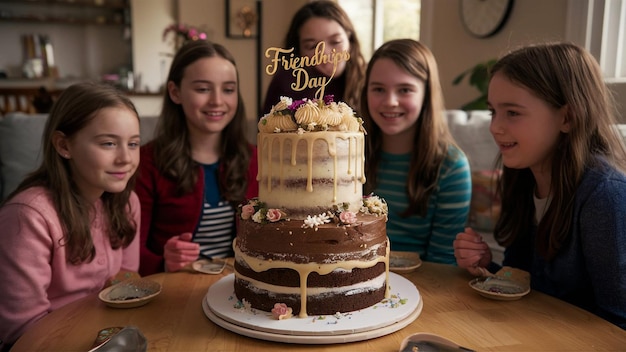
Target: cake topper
pixel 287 60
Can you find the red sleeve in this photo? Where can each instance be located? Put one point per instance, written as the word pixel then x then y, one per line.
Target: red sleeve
pixel 253 184
pixel 145 187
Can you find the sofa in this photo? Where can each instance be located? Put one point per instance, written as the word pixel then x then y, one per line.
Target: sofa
pixel 20 146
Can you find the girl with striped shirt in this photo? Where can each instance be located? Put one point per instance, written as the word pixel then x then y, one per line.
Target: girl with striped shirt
pixel 199 166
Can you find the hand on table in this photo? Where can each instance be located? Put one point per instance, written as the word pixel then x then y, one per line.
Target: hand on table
pixel 472 252
pixel 179 251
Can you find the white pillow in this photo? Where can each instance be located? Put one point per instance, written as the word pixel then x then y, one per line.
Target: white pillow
pixel 471 132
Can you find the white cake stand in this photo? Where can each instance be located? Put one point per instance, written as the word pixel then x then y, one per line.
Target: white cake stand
pixel 405 304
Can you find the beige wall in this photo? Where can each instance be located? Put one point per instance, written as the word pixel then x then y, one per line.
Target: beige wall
pixel 456 50
pixel 211 15
pixel 531 21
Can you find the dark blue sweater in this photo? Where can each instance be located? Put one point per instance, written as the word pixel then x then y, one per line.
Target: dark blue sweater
pixel 590 269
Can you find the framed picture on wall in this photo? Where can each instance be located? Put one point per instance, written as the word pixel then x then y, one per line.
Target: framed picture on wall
pixel 241 19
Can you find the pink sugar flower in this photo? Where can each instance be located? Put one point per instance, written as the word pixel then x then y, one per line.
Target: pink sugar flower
pixel 347 217
pixel 273 215
pixel 281 311
pixel 247 211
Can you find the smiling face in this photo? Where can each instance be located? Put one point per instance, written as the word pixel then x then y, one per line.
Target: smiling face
pixel 208 95
pixel 103 155
pixel 317 29
pixel 525 128
pixel 394 101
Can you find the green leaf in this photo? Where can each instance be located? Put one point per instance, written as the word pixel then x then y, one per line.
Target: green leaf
pixel 479 79
pixel 479 103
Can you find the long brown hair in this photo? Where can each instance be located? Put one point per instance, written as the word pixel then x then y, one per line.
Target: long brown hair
pixel 355 67
pixel 432 139
pixel 76 107
pixel 172 147
pixel 562 75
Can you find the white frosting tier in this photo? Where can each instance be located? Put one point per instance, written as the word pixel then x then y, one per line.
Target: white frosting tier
pixel 309 172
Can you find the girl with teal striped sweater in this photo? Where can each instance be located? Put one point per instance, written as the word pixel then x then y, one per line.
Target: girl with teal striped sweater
pixel 412 161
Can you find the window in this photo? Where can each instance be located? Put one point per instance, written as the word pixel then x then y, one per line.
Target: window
pixel 378 21
pixel 603 33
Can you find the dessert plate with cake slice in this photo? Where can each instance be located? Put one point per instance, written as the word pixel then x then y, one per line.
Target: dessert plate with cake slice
pixel 403 306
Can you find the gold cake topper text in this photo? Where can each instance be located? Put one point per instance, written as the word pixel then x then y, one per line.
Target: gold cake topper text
pixel 286 59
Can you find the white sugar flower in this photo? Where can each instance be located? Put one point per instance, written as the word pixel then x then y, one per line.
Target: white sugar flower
pixel 247 305
pixel 281 105
pixel 257 217
pixel 374 205
pixel 316 220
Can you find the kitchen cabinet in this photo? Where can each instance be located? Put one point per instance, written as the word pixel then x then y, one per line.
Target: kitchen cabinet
pixel 89 38
pixel 79 12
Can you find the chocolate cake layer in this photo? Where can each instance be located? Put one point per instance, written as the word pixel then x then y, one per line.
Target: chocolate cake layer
pixel 316 305
pixel 289 241
pixel 290 278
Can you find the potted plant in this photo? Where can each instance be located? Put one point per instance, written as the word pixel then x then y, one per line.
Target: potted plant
pixel 479 78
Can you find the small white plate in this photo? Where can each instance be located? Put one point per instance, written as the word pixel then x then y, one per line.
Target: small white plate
pixel 499 288
pixel 404 262
pixel 130 293
pixel 208 267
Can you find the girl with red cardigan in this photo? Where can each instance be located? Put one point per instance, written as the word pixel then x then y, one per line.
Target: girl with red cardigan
pixel 199 166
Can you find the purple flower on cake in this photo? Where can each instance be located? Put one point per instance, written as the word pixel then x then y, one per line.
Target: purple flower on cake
pixel 281 311
pixel 347 217
pixel 298 103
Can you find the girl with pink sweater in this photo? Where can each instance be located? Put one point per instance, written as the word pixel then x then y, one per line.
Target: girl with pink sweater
pixel 72 224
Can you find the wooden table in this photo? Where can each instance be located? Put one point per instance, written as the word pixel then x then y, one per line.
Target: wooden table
pixel 175 321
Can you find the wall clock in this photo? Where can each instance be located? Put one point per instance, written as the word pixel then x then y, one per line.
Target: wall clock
pixel 484 18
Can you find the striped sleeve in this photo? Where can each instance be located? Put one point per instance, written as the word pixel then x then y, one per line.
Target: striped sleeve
pixel 451 205
pixel 448 208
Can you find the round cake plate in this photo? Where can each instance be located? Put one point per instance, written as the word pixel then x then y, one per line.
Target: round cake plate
pixel 403 307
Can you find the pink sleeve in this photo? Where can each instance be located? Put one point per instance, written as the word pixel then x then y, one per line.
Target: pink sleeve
pixel 130 262
pixel 25 256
